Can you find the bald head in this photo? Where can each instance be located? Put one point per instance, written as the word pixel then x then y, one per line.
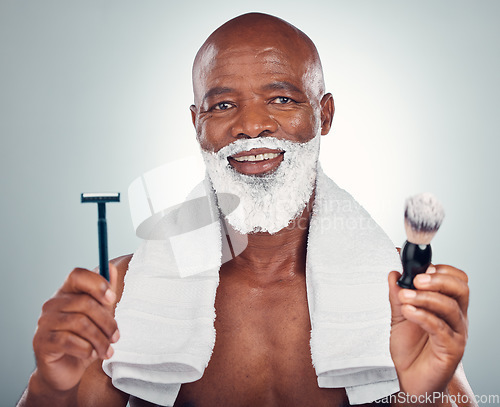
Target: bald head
pixel 259 32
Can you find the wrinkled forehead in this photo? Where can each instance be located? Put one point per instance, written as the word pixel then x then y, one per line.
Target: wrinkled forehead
pixel 290 59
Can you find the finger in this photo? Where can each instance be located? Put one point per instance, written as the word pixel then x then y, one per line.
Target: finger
pixel 81 326
pixel 60 343
pixel 78 324
pixel 439 304
pixel 85 281
pixel 394 290
pixel 446 284
pixel 113 280
pixel 448 341
pixel 452 271
pixel 84 304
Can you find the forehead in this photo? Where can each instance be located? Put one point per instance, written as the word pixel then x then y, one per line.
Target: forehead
pixel 240 64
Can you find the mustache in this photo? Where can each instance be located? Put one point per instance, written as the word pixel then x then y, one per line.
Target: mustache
pixel 240 145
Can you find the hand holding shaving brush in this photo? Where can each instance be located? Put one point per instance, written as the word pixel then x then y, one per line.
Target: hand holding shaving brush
pixel 429 325
pixel 423 217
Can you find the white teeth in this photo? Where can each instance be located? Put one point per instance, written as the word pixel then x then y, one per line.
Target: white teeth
pixel 258 157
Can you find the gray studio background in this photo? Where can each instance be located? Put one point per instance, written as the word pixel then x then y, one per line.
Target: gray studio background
pixel 95 93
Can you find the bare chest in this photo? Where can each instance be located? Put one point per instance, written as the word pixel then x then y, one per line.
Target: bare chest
pixel 262 354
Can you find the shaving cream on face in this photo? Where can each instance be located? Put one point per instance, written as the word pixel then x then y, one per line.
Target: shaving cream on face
pixel 269 202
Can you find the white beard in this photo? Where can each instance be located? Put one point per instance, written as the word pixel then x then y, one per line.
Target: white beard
pixel 270 202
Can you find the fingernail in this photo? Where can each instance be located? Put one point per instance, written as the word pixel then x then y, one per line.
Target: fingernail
pixel 115 336
pixel 110 296
pixel 423 278
pixel 431 270
pixel 409 294
pixel 109 352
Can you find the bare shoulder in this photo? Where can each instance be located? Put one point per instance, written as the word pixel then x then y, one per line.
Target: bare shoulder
pixel 122 261
pixel 121 264
pixel 95 388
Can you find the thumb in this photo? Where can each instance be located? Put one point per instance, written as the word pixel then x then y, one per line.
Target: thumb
pixel 394 289
pixel 113 282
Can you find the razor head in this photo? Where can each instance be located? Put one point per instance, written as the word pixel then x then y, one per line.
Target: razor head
pixel 98 197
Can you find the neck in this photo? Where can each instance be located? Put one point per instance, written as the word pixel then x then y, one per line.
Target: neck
pixel 280 255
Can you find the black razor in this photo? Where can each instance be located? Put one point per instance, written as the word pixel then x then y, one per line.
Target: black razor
pixel 100 199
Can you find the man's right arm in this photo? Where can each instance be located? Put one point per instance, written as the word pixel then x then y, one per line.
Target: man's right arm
pixel 74 334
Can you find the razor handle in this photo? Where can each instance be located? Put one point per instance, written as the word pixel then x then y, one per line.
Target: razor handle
pixel 102 229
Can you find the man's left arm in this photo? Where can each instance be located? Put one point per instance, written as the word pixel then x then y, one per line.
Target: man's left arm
pixel 428 335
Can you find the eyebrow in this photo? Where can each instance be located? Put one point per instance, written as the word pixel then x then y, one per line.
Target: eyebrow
pixel 282 85
pixel 278 85
pixel 218 90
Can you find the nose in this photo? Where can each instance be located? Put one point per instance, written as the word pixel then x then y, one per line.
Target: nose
pixel 253 121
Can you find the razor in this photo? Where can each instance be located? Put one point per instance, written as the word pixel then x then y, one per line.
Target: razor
pixel 101 199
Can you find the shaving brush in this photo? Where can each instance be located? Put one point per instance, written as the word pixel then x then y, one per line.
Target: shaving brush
pixel 423 217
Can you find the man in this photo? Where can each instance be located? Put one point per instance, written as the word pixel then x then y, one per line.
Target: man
pixel 258 83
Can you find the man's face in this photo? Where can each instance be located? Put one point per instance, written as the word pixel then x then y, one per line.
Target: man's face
pixel 258 114
pixel 246 91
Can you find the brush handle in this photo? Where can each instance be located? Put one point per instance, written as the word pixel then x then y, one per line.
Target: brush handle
pixel 102 230
pixel 415 259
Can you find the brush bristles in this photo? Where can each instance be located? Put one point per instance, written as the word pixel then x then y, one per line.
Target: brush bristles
pixel 423 217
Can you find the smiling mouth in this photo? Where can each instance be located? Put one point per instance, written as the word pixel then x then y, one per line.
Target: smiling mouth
pixel 257 161
pixel 258 157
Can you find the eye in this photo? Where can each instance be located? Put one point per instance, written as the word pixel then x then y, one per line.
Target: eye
pixel 282 100
pixel 222 106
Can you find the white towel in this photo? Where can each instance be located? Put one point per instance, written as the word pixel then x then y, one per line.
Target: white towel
pixel 166 314
pixel 348 259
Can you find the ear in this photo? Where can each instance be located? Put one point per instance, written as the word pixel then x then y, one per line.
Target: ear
pixel 193 114
pixel 327 111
